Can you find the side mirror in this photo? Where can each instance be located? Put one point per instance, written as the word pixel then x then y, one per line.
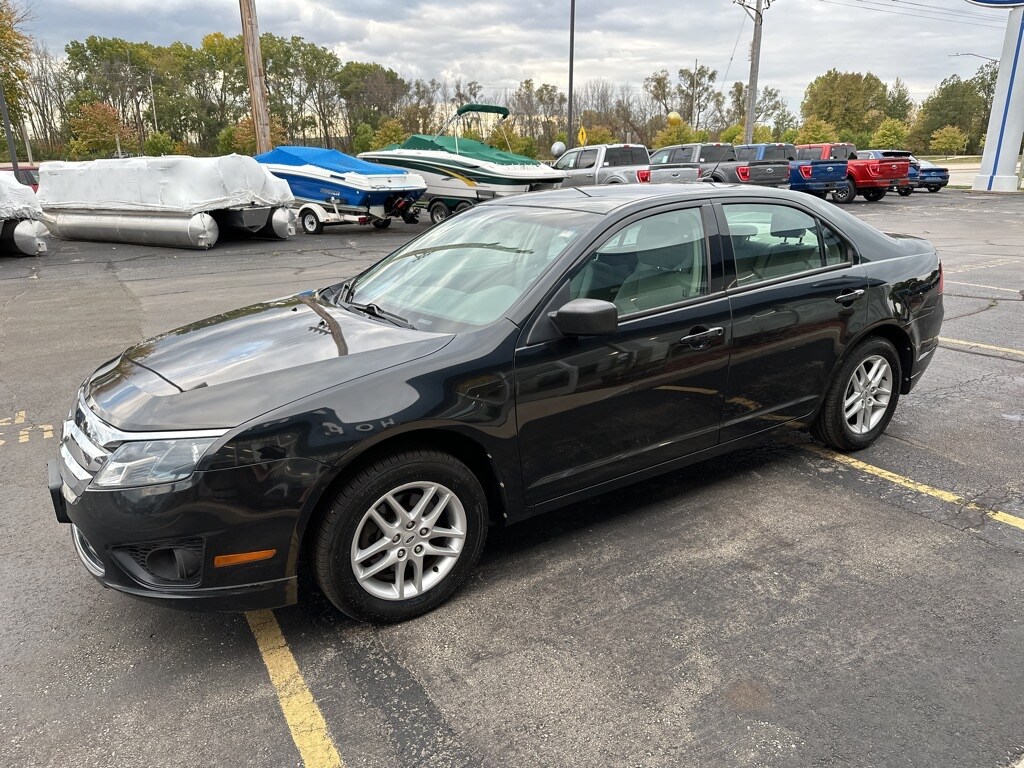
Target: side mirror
pixel 586 317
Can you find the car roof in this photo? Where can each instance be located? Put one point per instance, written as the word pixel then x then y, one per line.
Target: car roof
pixel 609 197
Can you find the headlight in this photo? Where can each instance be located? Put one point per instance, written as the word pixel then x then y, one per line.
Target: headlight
pixel 152 462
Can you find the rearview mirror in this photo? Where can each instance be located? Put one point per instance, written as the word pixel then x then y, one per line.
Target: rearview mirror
pixel 586 317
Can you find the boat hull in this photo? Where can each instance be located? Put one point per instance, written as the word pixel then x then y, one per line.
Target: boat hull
pixel 353 190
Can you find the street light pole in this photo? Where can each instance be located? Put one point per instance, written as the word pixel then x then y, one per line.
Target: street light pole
pixel 572 46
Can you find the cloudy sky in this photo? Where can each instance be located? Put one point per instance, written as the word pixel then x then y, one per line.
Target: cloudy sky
pixel 501 42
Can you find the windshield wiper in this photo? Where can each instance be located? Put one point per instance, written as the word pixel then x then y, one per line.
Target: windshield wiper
pixel 373 310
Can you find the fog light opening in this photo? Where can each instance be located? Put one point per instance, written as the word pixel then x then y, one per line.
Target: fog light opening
pixel 173 564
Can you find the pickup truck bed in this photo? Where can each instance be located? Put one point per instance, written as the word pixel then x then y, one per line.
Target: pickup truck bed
pixel 615 164
pixel 816 177
pixel 717 162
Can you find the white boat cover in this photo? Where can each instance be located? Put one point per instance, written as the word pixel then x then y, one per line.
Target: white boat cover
pixel 17 201
pixel 170 184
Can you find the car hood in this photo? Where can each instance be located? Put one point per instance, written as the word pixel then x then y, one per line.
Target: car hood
pixel 228 369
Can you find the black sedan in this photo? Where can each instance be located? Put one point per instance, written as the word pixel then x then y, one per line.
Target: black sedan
pixel 523 355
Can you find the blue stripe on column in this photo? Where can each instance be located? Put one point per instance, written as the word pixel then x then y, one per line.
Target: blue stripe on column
pixel 1006 106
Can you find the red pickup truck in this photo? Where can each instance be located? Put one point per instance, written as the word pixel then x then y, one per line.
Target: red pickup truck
pixel 870 178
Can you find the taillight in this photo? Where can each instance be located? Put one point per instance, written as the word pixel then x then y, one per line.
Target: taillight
pixel 806 171
pixel 643 176
pixel 700 172
pixel 942 279
pixel 743 172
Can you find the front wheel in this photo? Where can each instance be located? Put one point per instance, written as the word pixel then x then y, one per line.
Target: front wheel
pixel 904 191
pixel 382 223
pixel 401 536
pixel 861 398
pixel 844 192
pixel 439 211
pixel 311 223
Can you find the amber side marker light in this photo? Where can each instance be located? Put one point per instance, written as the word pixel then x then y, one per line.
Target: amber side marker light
pixel 220 561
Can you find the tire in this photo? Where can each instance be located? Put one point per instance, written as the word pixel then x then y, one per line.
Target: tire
pixel 311 223
pixel 439 211
pixel 382 223
pixel 360 518
pixel 934 188
pixel 463 206
pixel 845 193
pixel 411 218
pixel 874 195
pixel 832 426
pixel 904 191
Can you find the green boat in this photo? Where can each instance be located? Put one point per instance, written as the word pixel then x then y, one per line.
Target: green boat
pixel 461 172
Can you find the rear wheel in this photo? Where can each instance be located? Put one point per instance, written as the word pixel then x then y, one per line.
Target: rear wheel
pixel 439 211
pixel 382 223
pixel 401 536
pixel 934 188
pixel 874 195
pixel 904 191
pixel 845 192
pixel 861 398
pixel 463 206
pixel 311 223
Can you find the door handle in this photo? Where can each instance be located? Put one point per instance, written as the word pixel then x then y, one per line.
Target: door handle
pixel 847 297
pixel 700 336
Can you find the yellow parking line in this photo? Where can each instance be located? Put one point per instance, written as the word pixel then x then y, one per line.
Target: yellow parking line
pixel 309 730
pixel 978 344
pixel 906 482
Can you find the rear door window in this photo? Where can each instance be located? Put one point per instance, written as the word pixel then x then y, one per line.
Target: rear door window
pixel 620 156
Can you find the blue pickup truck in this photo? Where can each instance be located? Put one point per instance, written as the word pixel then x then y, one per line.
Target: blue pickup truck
pixel 816 177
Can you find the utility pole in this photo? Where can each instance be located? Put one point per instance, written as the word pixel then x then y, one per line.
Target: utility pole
pixel 257 79
pixel 572 44
pixel 693 97
pixel 757 14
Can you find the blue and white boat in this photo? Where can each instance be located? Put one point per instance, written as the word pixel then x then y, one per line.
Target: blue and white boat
pixel 331 187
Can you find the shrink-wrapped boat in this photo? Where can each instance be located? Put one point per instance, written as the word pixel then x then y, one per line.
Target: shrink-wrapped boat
pixel 21 233
pixel 173 200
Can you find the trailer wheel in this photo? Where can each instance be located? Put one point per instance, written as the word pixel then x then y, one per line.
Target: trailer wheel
pixel 463 206
pixel 439 211
pixel 311 223
pixel 382 223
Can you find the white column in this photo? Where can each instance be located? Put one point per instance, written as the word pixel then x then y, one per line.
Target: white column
pixel 1006 125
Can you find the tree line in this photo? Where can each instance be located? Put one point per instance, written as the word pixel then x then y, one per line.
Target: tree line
pixel 104 95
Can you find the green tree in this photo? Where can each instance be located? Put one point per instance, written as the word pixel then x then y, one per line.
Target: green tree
pixel 948 140
pixel 673 134
pixel 854 103
pixel 157 144
pixel 601 134
pixel 891 134
pixel 816 131
pixel 898 104
pixel 363 139
pixel 733 134
pixel 371 93
pixel 762 134
pixel 955 102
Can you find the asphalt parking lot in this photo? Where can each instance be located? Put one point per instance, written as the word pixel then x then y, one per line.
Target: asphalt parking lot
pixel 783 606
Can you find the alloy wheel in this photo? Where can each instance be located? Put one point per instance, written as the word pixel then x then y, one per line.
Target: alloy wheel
pixel 867 394
pixel 408 540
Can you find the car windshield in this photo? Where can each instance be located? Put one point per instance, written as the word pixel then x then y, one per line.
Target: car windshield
pixel 466 272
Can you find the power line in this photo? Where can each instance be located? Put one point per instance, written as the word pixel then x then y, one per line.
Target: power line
pixel 864 7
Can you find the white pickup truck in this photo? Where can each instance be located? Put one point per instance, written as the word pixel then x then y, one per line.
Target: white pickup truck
pixel 617 164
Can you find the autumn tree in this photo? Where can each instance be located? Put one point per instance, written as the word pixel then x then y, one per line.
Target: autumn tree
pixel 673 134
pixel 389 132
pixel 854 103
pixel 97 131
pixel 956 102
pixel 15 52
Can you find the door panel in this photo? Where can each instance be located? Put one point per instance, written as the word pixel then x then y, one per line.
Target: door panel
pixel 593 409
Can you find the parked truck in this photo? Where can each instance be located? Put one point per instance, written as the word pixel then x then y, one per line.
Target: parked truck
pixel 617 164
pixel 816 177
pixel 718 162
pixel 868 177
